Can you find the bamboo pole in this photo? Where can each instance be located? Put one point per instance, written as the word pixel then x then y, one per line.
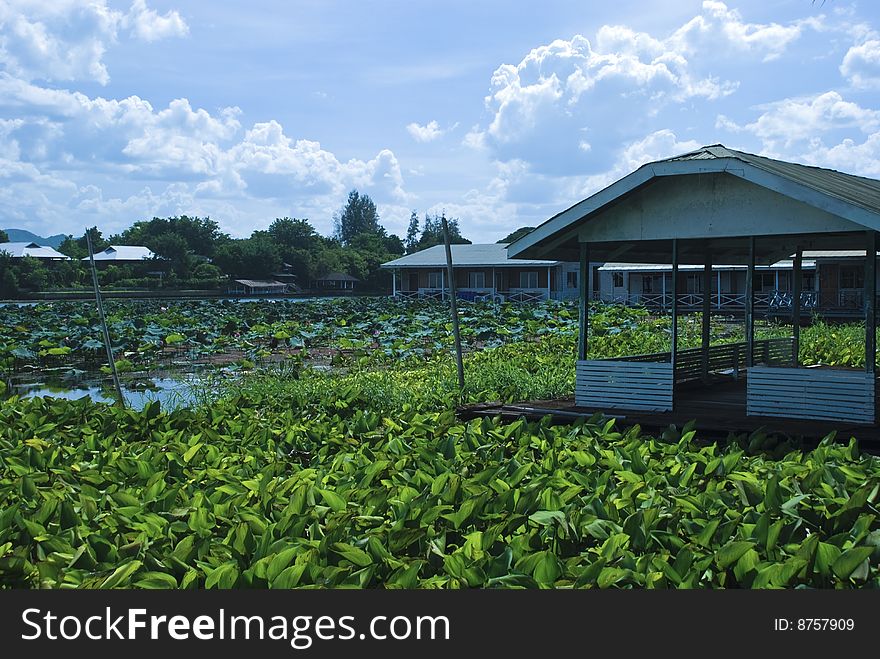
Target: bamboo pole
pixel 120 399
pixel 455 329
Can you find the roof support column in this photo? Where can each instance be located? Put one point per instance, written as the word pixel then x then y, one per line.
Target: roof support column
pixel 663 291
pixel 673 351
pixel 583 307
pixel 707 310
pixel 750 305
pixel 394 283
pixel 796 285
pixel 548 283
pixel 442 285
pixel 718 299
pixel 870 302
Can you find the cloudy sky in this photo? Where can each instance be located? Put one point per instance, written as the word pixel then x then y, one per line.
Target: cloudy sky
pixel 499 113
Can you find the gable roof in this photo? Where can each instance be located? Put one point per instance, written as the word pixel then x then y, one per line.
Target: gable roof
pixel 123 253
pixel 479 255
pixel 22 249
pixel 858 190
pixel 851 197
pixel 337 276
pixel 261 283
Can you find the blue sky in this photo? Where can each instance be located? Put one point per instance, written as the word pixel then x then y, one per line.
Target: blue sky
pixel 499 113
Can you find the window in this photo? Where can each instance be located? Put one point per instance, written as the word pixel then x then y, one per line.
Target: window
pixel 652 284
pixel 809 281
pixel 617 279
pixel 852 276
pixel 695 283
pixel 765 281
pixel 476 280
pixel 435 280
pixel 528 279
pixel 571 279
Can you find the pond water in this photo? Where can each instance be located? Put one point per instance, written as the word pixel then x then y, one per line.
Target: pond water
pixel 170 392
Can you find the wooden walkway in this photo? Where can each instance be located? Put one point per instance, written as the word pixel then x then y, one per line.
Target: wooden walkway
pixel 718 410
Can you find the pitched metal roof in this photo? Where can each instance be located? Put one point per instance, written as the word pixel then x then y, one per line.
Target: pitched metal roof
pixel 337 276
pixel 852 198
pixel 480 255
pixel 858 190
pixel 260 283
pixel 123 253
pixel 21 249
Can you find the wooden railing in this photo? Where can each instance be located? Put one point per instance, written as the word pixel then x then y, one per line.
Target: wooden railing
pixel 725 358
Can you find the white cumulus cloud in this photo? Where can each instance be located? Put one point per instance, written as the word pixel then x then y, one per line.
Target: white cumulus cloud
pixel 427 133
pixel 861 64
pixel 66 40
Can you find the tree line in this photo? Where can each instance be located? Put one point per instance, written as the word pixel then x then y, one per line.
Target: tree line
pixel 193 252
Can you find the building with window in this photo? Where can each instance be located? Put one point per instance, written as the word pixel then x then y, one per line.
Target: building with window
pixel 831 284
pixel 482 271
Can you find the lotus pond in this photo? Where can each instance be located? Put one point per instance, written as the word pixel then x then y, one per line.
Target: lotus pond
pixel 361 476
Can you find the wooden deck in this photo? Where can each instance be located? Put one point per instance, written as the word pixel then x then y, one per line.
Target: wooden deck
pixel 718 410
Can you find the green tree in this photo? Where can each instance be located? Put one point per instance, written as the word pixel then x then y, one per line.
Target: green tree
pixel 411 242
pixel 78 248
pixel 516 235
pixel 432 232
pixel 4 237
pixel 174 250
pixel 255 258
pixel 358 216
pixel 292 233
pixel 31 274
pixel 201 235
pixel 8 278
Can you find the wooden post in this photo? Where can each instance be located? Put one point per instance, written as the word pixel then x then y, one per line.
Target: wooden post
pixel 750 305
pixel 549 294
pixel 394 283
pixel 674 343
pixel 718 303
pixel 584 302
pixel 120 399
pixel 796 286
pixel 707 310
pixel 870 302
pixel 456 333
pixel 663 291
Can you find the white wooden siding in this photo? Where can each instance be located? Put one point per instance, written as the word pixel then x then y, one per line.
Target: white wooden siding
pixel 605 384
pixel 811 393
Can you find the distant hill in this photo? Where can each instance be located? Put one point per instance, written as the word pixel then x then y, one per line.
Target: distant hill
pixel 24 236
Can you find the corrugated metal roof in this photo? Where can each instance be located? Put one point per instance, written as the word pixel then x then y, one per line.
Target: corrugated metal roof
pixel 19 250
pixel 260 283
pixel 490 255
pixel 858 190
pixel 123 253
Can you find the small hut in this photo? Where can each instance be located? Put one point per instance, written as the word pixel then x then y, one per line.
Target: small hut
pixel 336 281
pixel 717 205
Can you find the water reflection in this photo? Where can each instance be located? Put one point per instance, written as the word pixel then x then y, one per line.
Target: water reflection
pixel 170 392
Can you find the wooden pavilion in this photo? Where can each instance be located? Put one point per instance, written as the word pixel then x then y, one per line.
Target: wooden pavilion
pixel 717 205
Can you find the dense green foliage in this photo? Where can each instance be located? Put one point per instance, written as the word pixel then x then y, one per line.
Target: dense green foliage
pixel 362 476
pixel 241 495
